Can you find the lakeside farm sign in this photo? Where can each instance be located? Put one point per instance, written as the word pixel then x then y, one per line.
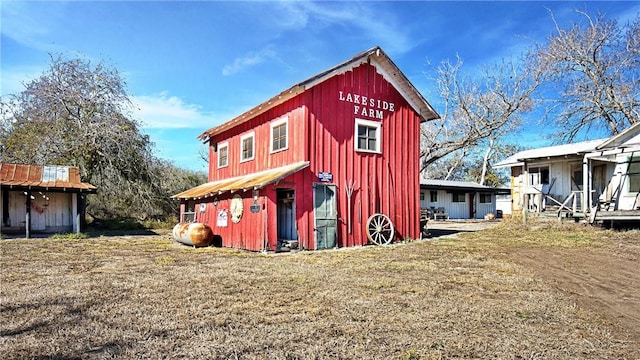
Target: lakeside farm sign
pixel 366 106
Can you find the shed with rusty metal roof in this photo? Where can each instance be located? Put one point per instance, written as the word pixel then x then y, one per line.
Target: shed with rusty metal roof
pixel 41 198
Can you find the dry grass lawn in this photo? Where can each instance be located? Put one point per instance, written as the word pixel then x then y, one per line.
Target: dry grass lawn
pixel 150 297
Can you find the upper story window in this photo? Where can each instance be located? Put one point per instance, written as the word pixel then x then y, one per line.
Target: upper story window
pixel 223 154
pixel 247 147
pixel 280 134
pixel 367 136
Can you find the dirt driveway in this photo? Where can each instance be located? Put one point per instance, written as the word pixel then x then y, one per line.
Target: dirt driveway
pixel 604 280
pixel 452 228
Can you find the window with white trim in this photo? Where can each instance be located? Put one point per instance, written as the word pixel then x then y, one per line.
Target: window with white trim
pixel 280 134
pixel 247 147
pixel 367 136
pixel 539 175
pixel 223 154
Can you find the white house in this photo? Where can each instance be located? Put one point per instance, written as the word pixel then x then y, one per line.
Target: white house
pixel 458 199
pixel 580 178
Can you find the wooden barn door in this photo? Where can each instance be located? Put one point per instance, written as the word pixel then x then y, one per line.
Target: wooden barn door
pixel 326 215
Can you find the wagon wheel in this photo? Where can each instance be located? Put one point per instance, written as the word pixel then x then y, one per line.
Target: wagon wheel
pixel 380 229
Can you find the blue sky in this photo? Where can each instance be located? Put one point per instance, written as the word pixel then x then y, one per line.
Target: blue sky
pixel 190 66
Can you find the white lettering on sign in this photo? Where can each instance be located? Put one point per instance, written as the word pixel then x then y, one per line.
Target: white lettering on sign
pixel 366 106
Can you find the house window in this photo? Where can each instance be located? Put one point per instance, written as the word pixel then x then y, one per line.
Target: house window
pixel 247 146
pixel 223 155
pixel 422 195
pixel 539 175
pixel 485 198
pixel 368 136
pixel 279 135
pixel 458 197
pixel 634 174
pixel 433 196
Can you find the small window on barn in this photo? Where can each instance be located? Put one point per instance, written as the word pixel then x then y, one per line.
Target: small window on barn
pixel 485 198
pixel 367 136
pixel 422 195
pixel 458 197
pixel 634 174
pixel 247 147
pixel 280 135
pixel 223 155
pixel 433 196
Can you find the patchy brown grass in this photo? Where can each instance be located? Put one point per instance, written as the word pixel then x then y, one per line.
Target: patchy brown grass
pixel 150 297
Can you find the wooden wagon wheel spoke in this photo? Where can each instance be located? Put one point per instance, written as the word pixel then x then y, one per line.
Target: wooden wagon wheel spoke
pixel 380 229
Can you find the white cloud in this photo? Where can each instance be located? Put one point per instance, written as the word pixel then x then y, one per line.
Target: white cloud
pixel 383 28
pixel 13 79
pixel 26 24
pixel 252 59
pixel 164 111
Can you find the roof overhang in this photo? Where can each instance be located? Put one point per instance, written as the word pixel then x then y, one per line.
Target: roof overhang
pixel 21 177
pixel 387 68
pixel 253 181
pixel 462 186
pixel 621 138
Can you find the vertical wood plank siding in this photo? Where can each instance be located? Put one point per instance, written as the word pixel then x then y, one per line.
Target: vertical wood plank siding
pixel 386 182
pixel 321 131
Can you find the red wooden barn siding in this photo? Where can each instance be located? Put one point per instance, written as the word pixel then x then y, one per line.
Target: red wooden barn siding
pixel 261 126
pixel 321 130
pixel 386 182
pixel 252 229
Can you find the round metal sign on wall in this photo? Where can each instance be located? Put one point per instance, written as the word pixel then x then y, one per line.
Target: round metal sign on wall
pixel 236 208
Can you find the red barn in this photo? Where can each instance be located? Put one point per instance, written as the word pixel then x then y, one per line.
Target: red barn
pixel 330 162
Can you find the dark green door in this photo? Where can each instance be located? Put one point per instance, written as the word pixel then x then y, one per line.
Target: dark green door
pixel 326 215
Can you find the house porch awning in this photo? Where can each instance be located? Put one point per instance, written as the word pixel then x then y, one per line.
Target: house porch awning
pixel 43 177
pixel 251 181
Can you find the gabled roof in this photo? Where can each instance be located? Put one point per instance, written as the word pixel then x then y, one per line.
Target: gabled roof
pixel 45 177
pixel 575 149
pixel 256 181
pixel 630 136
pixel 386 67
pixel 459 185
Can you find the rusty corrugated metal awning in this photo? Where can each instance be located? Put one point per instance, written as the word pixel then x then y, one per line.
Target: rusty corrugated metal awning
pixel 45 177
pixel 256 180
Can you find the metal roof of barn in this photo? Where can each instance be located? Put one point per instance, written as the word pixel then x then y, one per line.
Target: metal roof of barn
pixel 45 177
pixel 390 71
pixel 252 181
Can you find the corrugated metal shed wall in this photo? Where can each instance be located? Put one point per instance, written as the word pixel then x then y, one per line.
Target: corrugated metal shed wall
pixel 459 210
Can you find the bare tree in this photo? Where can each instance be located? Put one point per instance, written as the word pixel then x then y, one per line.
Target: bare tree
pixel 476 109
pixel 597 71
pixel 77 114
